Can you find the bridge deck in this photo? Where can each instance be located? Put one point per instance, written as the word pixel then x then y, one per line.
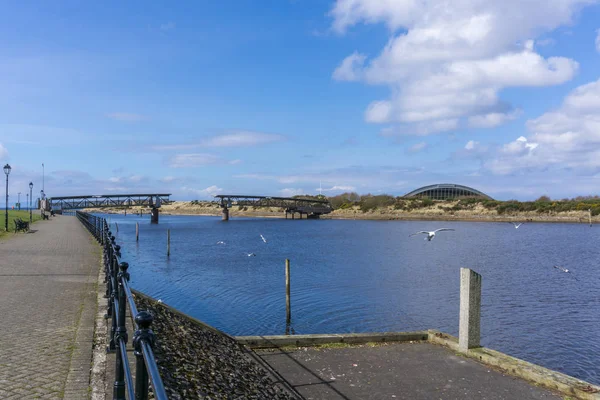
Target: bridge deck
pixel 108 200
pixel 292 204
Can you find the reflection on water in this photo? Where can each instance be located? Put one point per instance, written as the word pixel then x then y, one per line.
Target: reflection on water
pixel 367 276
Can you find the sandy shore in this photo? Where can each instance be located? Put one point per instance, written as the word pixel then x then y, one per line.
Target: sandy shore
pixel 433 213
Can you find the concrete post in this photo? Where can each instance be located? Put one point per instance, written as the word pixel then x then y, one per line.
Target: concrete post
pixel 154 216
pixel 225 213
pixel 470 310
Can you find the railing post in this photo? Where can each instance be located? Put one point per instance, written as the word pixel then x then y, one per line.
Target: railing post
pixel 120 335
pixel 470 310
pixel 144 333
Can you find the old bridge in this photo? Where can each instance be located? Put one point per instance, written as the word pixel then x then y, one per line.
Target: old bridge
pixel 152 201
pixel 309 207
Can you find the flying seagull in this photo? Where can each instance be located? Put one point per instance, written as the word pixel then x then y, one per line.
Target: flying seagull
pixel 263 238
pixel 431 234
pixel 517 225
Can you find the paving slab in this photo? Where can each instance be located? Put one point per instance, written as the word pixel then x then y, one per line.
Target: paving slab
pixel 48 286
pixel 416 371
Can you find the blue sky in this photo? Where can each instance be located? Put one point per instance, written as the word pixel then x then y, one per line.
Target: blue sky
pixel 356 95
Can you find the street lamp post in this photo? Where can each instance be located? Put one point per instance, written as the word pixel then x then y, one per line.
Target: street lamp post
pixel 19 200
pixel 6 171
pixel 30 201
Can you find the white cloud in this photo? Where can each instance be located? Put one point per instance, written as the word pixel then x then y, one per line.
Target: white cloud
pixel 422 128
pixel 194 160
pixel 417 147
pixel 568 137
pixel 340 188
pixel 379 111
pixel 3 152
pixel 230 139
pixel 210 191
pixel 241 139
pixel 347 71
pixel 492 120
pixel 290 192
pixel 126 117
pixel 598 40
pixel 168 179
pixel 471 145
pixel 447 61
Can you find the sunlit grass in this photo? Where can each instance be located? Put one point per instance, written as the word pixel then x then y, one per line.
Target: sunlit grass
pixel 12 214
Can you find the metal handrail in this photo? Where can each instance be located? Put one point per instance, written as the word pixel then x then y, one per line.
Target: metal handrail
pixel 119 295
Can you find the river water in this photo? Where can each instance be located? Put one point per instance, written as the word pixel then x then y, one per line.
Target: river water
pixel 370 276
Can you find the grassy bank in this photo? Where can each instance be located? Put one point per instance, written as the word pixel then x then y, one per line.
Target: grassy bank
pixel 396 208
pixel 12 215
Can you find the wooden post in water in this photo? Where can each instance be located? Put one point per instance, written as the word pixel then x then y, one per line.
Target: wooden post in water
pixel 288 306
pixel 590 215
pixel 470 310
pixel 117 226
pixel 137 231
pixel 168 242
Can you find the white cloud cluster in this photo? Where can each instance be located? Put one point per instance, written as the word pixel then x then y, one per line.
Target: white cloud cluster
pixel 210 191
pixel 448 60
pixel 194 160
pixel 568 137
pixel 229 139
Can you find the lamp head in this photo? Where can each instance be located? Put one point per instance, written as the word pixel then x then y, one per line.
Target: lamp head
pixel 30 185
pixel 7 169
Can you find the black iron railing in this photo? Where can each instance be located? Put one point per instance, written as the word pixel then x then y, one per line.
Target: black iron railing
pixel 119 295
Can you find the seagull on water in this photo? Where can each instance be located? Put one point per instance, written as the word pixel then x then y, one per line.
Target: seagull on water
pixel 220 242
pixel 251 255
pixel 561 268
pixel 263 238
pixel 430 234
pixel 517 225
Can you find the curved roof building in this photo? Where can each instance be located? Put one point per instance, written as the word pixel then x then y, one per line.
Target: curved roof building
pixel 444 191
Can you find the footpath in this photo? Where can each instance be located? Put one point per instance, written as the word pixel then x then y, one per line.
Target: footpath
pixel 48 289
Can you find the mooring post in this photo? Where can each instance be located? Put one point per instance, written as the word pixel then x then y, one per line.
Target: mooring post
pixel 469 332
pixel 590 215
pixel 288 306
pixel 168 242
pixel 117 227
pixel 137 231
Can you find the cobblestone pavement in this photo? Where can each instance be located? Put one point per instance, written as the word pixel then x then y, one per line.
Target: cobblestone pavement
pixel 48 286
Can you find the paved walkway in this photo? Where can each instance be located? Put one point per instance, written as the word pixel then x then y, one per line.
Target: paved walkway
pixel 47 307
pixel 416 371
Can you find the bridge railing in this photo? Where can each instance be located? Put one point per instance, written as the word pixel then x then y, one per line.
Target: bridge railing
pixel 119 296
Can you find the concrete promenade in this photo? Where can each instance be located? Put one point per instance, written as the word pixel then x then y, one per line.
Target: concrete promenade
pixel 48 288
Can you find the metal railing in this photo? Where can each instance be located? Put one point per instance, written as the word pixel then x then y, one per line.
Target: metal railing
pixel 119 295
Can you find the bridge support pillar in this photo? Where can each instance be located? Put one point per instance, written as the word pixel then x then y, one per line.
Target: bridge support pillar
pixel 225 214
pixel 154 215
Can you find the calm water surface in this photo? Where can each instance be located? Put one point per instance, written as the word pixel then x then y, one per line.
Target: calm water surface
pixel 368 276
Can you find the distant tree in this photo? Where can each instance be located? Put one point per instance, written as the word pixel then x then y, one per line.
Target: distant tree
pixel 544 198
